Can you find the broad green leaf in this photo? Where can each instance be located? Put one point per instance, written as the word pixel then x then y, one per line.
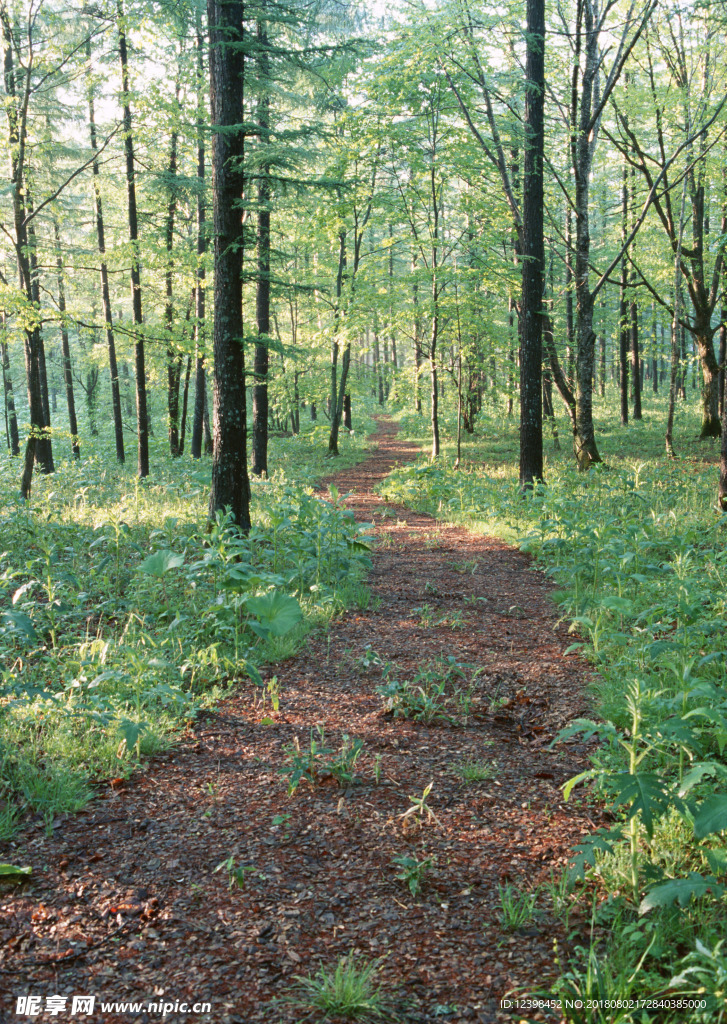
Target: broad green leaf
pixel 11 871
pixel 646 794
pixel 681 891
pixel 701 770
pixel 161 562
pixel 622 605
pixel 18 622
pixel 711 816
pixel 577 780
pixel 132 731
pixel 276 613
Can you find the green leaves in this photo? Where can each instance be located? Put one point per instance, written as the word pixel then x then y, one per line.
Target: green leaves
pixel 276 614
pixel 10 871
pixel 711 816
pixel 681 891
pixel 160 563
pixel 19 623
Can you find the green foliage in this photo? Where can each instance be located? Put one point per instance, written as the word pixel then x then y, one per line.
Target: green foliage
pixel 412 871
pixel 318 761
pixel 475 771
pixel 349 991
pixel 516 909
pixel 637 550
pixel 122 615
pixel 236 873
pixel 428 696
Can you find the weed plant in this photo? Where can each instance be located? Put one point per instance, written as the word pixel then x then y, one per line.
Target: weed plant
pixel 638 550
pixel 122 613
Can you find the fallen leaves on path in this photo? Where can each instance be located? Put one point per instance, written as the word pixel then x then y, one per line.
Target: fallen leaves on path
pixel 125 902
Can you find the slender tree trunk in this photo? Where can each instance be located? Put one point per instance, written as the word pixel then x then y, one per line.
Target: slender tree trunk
pixel 105 293
pixel 636 367
pixel 675 344
pixel 142 417
pixel 185 402
pixel 174 359
pixel 200 376
pixel 262 296
pixel 230 482
pixel 417 341
pixel 335 348
pixel 623 315
pixel 569 324
pixel 11 420
pixel 533 263
pixel 67 374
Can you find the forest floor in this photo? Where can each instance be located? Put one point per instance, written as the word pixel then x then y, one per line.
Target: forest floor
pixel 124 901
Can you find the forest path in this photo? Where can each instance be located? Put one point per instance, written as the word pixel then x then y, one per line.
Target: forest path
pixel 125 902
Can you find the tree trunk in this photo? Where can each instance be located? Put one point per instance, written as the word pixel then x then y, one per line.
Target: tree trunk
pixel 67 374
pixel 174 359
pixel 262 296
pixel 142 418
pixel 711 426
pixel 533 263
pixel 623 314
pixel 185 402
pixel 105 293
pixel 230 483
pixel 200 377
pixel 11 419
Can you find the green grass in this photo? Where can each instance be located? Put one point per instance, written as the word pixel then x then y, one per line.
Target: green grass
pixel 122 614
pixel 349 991
pixel 637 548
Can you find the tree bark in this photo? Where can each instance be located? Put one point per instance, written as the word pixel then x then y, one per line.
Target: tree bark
pixel 174 359
pixel 67 374
pixel 533 262
pixel 623 313
pixel 262 291
pixel 230 482
pixel 105 293
pixel 11 419
pixel 142 417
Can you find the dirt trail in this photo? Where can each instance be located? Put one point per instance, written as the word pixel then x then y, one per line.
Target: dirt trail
pixel 125 903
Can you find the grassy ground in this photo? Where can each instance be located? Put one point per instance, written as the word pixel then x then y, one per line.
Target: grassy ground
pixel 122 614
pixel 637 548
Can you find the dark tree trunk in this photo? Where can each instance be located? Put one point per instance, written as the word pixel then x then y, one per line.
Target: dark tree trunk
pixel 67 374
pixel 569 323
pixel 230 482
pixel 533 264
pixel 105 293
pixel 11 419
pixel 200 376
pixel 347 411
pixel 623 314
pixel 185 402
pixel 262 294
pixel 636 362
pixel 174 359
pixel 142 417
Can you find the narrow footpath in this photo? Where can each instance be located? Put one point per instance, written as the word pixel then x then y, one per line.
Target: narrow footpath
pixel 125 903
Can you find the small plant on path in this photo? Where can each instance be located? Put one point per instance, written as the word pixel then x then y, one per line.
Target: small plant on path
pixel 413 871
pixel 516 909
pixel 350 991
pixel 420 811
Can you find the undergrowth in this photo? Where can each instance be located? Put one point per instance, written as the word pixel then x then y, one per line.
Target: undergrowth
pixel 638 551
pixel 122 613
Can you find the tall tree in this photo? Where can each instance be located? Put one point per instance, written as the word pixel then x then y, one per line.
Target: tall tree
pixel 531 348
pixel 230 481
pixel 103 270
pixel 142 417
